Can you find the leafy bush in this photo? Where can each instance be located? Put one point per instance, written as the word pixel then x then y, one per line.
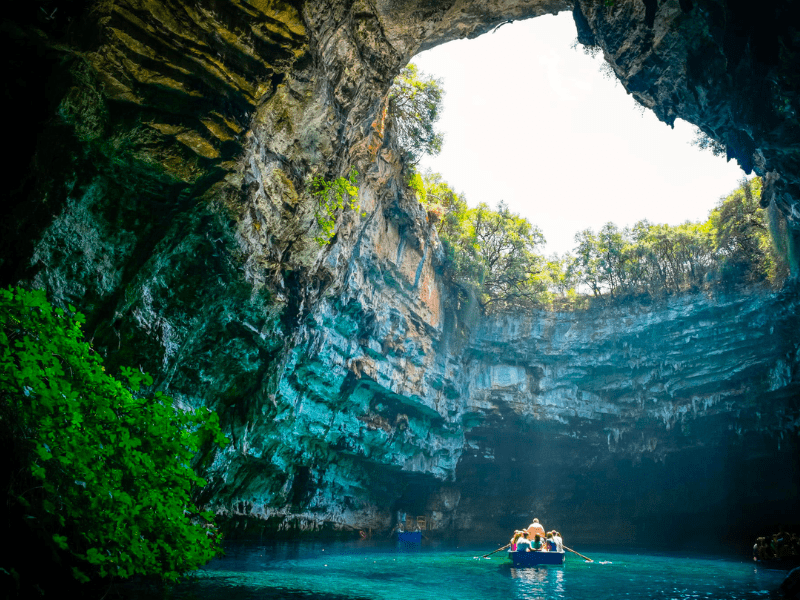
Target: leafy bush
pixel 101 475
pixel 330 198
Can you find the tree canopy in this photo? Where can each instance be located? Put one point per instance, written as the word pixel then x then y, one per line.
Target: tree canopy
pixel 493 253
pixel 733 245
pixel 507 247
pixel 415 104
pixel 496 253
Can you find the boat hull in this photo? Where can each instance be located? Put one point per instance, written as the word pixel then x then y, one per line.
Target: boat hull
pixel 535 558
pixel 409 540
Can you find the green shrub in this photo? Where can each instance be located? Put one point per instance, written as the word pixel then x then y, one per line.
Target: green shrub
pixel 330 198
pixel 99 474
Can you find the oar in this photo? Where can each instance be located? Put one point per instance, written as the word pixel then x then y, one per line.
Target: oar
pixel 498 550
pixel 578 553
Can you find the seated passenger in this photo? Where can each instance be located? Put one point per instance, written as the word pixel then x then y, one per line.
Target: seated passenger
pixel 523 543
pixel 559 541
pixel 514 539
pixel 537 543
pixel 535 528
pixel 550 545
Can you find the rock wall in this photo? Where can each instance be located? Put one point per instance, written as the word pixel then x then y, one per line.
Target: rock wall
pixel 163 190
pixel 625 423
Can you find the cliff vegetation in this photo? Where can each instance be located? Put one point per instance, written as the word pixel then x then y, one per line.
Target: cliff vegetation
pixel 496 255
pixel 98 474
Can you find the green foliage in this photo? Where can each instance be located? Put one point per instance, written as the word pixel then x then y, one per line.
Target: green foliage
pixel 506 246
pixel 416 183
pixel 784 244
pixel 646 258
pixel 446 208
pixel 733 246
pixel 415 104
pixel 331 197
pixel 560 276
pixel 97 472
pixel 449 213
pixel 746 250
pixel 493 255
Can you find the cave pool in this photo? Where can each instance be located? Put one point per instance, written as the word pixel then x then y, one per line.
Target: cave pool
pixel 380 571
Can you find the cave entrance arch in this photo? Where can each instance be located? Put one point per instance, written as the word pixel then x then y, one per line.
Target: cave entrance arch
pixel 534 122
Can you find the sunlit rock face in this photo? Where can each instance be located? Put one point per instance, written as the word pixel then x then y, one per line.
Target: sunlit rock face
pixel 163 191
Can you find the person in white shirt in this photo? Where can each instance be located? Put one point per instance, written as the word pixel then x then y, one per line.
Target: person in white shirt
pixel 559 542
pixel 523 543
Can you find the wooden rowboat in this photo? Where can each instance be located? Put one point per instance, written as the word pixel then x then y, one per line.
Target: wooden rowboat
pixel 536 558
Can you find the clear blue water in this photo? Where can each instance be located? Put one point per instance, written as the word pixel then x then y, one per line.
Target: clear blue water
pixel 361 570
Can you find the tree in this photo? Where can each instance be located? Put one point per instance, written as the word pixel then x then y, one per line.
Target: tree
pixel 611 258
pixel 507 247
pixel 560 273
pixel 99 473
pixel 695 252
pixel 641 263
pixel 450 214
pixel 741 234
pixel 415 104
pixel 587 261
pixel 490 254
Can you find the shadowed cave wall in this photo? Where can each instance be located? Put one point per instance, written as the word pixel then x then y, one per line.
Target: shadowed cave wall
pixel 162 191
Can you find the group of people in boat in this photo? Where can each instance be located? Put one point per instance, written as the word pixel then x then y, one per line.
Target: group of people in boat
pixel 778 546
pixel 534 539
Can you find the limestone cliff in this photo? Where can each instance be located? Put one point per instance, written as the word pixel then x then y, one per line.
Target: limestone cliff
pixel 624 422
pixel 165 194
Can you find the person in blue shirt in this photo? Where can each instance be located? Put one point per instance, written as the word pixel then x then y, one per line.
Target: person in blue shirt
pixel 550 543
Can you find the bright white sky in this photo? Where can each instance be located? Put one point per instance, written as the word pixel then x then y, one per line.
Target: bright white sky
pixel 531 121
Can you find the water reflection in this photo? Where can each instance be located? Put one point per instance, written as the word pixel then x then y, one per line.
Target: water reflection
pixel 538 583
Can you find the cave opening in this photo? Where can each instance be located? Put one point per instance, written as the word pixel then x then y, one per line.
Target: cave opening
pixel 548 126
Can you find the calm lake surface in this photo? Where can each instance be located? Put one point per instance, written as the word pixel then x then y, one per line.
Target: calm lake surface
pixel 356 570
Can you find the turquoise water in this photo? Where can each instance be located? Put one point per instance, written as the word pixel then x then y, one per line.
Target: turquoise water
pixel 360 570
